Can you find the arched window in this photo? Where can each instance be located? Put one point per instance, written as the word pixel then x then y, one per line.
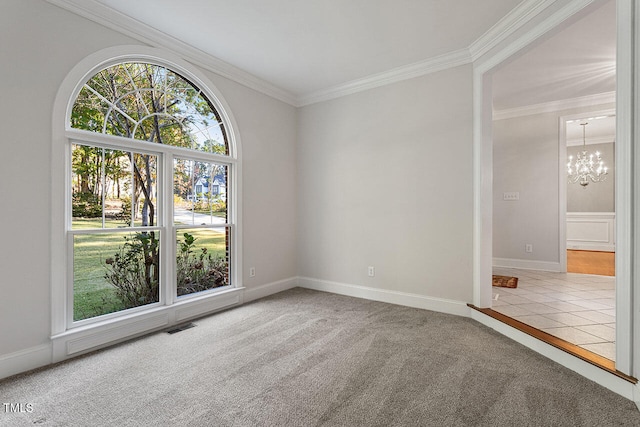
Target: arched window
pixel 150 192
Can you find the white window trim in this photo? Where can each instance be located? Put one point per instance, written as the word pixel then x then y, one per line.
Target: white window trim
pixel 68 342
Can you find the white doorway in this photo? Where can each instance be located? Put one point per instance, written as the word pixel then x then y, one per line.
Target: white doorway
pixel 483 139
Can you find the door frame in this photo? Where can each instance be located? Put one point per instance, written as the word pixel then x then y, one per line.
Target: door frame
pixel 625 120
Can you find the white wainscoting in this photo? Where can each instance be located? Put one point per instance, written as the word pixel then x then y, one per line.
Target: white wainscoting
pixel 591 231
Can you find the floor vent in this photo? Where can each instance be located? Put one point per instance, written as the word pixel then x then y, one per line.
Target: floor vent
pixel 181 328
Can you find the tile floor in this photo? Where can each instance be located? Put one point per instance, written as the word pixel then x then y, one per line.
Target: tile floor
pixel 578 308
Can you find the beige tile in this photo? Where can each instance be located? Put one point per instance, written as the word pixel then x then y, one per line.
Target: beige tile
pixel 498 303
pixel 569 319
pixel 577 308
pixel 538 321
pixel 605 349
pixel 611 302
pixel 514 299
pixel 564 296
pixel 544 290
pixel 539 308
pixel 584 295
pixel 585 287
pixel 596 316
pixel 513 291
pixel 564 306
pixel 602 331
pixel 591 305
pixel 605 293
pixel 564 289
pixel 512 310
pixel 539 298
pixel 574 335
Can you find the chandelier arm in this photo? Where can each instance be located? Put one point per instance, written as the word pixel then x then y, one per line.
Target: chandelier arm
pixel 585 169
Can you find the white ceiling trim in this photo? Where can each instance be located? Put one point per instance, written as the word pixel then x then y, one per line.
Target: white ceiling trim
pixel 550 107
pixel 124 24
pixel 507 25
pixel 568 10
pixel 431 65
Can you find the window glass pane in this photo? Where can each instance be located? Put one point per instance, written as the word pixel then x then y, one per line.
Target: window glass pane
pixel 149 103
pixel 101 187
pixel 199 193
pixel 202 260
pixel 114 271
pixel 116 268
pixel 145 176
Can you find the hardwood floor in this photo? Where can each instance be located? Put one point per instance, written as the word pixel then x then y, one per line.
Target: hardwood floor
pixel 591 262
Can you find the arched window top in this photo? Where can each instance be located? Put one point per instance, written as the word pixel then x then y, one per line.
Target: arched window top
pixel 152 103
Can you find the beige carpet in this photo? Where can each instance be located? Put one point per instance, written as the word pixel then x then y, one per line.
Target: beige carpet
pixel 306 358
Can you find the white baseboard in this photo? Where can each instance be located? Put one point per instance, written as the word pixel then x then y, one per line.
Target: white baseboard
pixel 24 360
pixel 458 308
pixel 251 294
pixel 636 395
pixel 617 385
pixel 526 264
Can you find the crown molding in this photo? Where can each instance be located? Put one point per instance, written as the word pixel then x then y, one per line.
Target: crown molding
pixel 550 107
pixel 126 25
pixel 507 25
pixel 572 7
pixel 417 69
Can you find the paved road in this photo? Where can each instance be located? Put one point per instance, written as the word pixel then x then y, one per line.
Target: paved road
pixel 183 216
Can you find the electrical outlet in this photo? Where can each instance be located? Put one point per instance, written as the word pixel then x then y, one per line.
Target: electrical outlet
pixel 511 195
pixel 528 248
pixel 252 272
pixel 371 271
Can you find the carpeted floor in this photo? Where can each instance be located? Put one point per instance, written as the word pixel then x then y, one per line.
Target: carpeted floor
pixel 306 358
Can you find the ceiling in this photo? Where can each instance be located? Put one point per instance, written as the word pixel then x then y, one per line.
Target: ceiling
pixel 578 60
pixel 308 46
pixel 299 50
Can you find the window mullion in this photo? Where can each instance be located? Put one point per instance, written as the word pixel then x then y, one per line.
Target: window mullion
pixel 168 249
pixel 69 294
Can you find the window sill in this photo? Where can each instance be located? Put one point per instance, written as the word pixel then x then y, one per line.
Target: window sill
pixel 84 339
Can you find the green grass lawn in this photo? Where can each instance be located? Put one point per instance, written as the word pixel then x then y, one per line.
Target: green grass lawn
pixel 93 294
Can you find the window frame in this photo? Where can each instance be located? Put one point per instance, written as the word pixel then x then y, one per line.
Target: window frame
pixel 63 137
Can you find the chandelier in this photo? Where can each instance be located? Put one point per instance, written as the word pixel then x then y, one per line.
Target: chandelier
pixel 587 167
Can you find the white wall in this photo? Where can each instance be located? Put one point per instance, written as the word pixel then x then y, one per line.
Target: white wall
pixel 525 160
pixel 39 45
pixel 268 131
pixel 385 180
